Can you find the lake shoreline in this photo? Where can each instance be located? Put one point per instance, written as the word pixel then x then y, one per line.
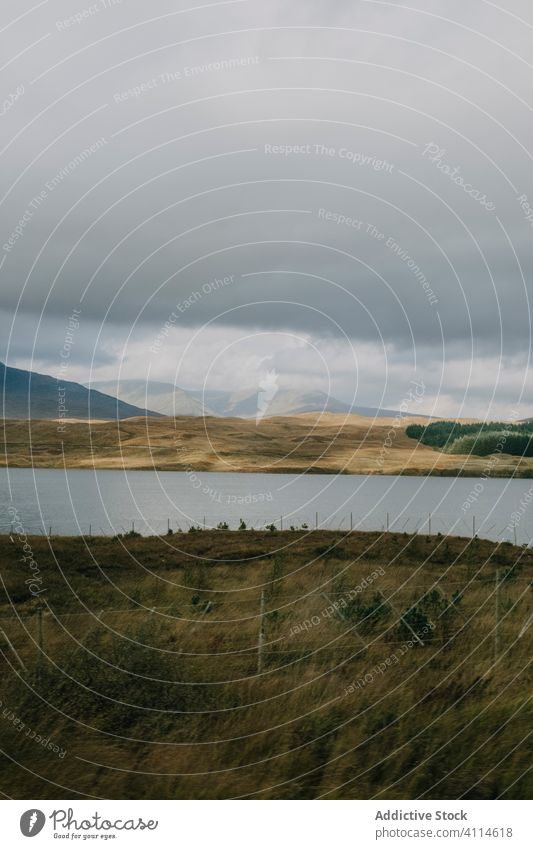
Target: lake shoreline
pixel 522 474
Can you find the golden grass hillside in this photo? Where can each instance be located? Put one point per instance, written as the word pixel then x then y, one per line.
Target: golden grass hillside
pixel 392 666
pixel 330 443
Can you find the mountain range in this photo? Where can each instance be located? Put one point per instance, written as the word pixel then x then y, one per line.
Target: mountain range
pixel 246 403
pixel 27 394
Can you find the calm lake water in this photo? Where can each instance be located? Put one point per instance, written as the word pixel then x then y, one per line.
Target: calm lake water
pixel 108 502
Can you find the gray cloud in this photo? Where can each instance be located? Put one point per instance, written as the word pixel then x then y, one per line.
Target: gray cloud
pixel 356 168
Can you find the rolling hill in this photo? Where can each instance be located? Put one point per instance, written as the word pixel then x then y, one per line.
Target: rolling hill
pixel 331 443
pixel 30 395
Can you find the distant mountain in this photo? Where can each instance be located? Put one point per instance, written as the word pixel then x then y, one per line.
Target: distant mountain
pixel 216 400
pixel 285 402
pixel 167 399
pixel 170 400
pixel 27 394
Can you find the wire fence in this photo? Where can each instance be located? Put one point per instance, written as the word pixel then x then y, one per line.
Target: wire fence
pixel 428 525
pixel 498 619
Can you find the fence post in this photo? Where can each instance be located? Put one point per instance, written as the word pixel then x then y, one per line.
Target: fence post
pixel 261 640
pixel 12 647
pixel 316 521
pixel 497 617
pixel 40 642
pixel 388 522
pixel 351 521
pixel 429 524
pixel 281 523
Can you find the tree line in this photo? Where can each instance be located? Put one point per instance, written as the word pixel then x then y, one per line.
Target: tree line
pixel 481 438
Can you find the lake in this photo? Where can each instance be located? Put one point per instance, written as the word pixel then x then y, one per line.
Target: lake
pixel 81 501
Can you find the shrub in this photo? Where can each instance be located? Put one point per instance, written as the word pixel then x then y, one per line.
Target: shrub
pixel 414 623
pixel 430 616
pixel 367 614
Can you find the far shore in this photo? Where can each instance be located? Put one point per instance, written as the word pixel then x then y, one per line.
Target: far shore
pixel 305 444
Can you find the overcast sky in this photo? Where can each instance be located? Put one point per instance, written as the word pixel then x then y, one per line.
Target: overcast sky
pixel 335 190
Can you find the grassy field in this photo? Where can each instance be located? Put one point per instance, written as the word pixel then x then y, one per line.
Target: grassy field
pixel 391 666
pixel 331 443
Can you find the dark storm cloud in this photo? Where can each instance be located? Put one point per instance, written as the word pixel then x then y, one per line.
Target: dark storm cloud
pixel 359 170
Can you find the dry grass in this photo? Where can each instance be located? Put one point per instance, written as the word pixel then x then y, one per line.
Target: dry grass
pixel 330 443
pixel 159 695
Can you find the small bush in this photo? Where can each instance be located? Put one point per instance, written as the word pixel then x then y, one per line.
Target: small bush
pixel 367 614
pixel 414 623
